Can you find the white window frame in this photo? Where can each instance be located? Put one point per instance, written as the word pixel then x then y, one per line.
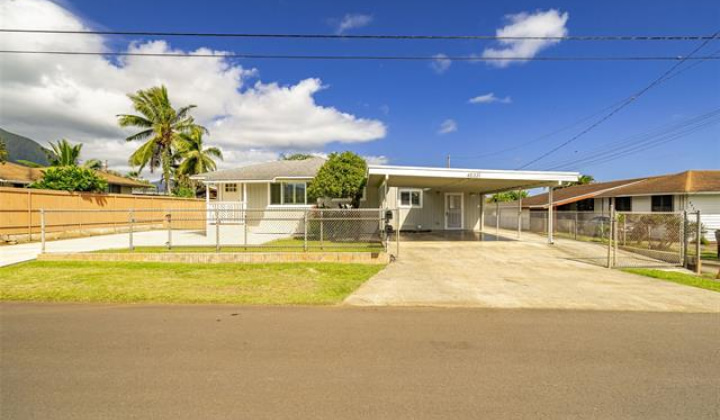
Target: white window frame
pixel 231 187
pixel 411 205
pixel 282 195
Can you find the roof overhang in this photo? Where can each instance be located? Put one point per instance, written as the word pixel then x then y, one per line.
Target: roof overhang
pixel 484 181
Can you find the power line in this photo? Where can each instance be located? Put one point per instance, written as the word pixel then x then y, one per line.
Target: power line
pixel 361 57
pixel 642 141
pixel 375 37
pixel 622 106
pixel 577 122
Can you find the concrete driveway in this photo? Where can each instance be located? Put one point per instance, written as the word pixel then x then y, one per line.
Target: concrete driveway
pixel 491 273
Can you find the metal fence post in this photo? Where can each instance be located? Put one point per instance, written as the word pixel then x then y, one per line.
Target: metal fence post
pixel 42 231
pixel 698 243
pixel 217 230
pixel 322 229
pixel 245 230
pixel 684 239
pixel 397 235
pixel 576 223
pixel 169 229
pixel 616 238
pixel 305 232
pixel 131 219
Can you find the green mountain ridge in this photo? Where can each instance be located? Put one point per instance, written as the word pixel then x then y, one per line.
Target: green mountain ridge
pixel 23 148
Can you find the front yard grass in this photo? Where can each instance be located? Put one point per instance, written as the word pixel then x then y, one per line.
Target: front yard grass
pixel 678 277
pixel 133 282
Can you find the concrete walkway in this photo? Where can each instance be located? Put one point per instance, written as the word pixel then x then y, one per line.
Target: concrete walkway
pixel 12 254
pixel 513 274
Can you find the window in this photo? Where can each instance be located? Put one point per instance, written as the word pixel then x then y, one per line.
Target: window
pixel 230 187
pixel 114 189
pixel 288 193
pixel 411 198
pixel 587 204
pixel 662 203
pixel 623 203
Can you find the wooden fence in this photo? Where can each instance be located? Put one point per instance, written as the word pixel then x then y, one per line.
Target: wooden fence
pixel 90 213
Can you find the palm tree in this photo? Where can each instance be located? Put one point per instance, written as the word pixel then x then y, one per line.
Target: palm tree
pixel 161 127
pixel 195 158
pixel 64 153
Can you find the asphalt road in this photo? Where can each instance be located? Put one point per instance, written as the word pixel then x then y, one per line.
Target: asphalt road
pixel 132 361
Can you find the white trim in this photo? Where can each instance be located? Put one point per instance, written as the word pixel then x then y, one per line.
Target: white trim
pixel 410 190
pixel 462 210
pixel 472 173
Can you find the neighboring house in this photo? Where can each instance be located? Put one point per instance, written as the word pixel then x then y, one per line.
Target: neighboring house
pixel 689 191
pixel 426 198
pixel 19 176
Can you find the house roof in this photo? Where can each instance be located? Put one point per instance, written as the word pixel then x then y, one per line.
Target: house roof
pixel 19 174
pixel 679 183
pixel 269 171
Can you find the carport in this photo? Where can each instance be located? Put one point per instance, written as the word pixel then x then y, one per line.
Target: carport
pixel 445 199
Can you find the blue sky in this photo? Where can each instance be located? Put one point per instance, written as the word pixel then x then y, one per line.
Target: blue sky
pixel 412 99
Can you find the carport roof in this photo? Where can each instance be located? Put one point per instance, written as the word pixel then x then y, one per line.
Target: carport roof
pixel 482 181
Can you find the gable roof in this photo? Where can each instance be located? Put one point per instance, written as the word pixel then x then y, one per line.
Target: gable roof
pixel 19 174
pixel 269 171
pixel 679 183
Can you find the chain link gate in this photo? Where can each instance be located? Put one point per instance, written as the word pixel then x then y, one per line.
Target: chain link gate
pixel 647 240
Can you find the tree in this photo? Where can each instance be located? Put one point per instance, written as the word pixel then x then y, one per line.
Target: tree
pixel 296 156
pixel 64 153
pixel 507 196
pixel 583 180
pixel 196 159
pixel 3 152
pixel 161 126
pixel 70 178
pixel 341 176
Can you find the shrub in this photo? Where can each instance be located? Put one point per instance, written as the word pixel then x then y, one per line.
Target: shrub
pixel 71 178
pixel 342 176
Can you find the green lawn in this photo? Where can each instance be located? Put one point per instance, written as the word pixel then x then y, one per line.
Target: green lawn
pixel 279 245
pixel 131 282
pixel 677 277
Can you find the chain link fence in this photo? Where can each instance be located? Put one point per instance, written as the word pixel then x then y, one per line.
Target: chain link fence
pixel 618 239
pixel 218 229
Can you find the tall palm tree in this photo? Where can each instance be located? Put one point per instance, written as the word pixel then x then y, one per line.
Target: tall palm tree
pixel 195 158
pixel 64 153
pixel 161 126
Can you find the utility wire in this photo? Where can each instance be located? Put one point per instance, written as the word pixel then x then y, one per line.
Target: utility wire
pixel 649 138
pixel 377 36
pixel 362 57
pixel 622 106
pixel 577 122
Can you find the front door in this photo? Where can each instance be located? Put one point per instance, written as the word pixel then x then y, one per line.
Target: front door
pixel 453 211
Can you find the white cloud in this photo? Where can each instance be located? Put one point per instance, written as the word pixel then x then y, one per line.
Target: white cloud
pixel 539 24
pixel 441 63
pixel 377 160
pixel 49 97
pixel 352 21
pixel 448 126
pixel 489 98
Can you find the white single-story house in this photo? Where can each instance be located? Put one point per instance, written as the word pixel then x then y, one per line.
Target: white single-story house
pixel 690 191
pixel 426 198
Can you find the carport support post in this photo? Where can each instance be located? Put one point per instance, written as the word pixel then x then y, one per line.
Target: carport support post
pixel 610 234
pixel 42 231
pixel 698 241
pixel 482 212
pixel 551 215
pixel 497 219
pixel 519 217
